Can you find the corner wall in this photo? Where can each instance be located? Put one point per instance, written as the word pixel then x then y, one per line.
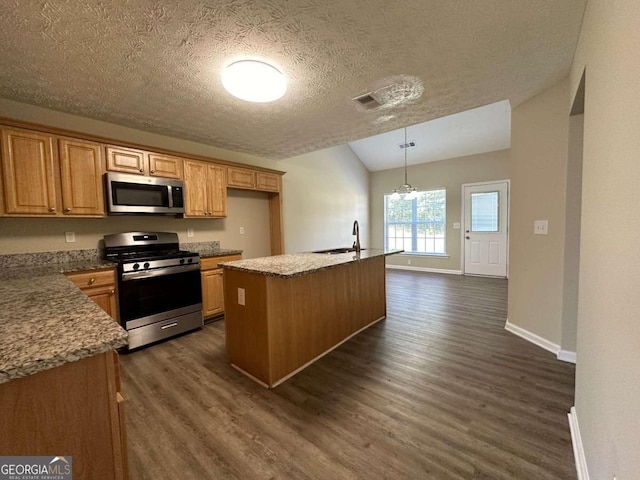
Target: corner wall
pixel 450 174
pixel 608 368
pixel 538 169
pixel 330 189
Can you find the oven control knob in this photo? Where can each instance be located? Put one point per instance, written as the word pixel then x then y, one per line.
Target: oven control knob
pixel 136 266
pixel 146 265
pixel 190 260
pixel 181 261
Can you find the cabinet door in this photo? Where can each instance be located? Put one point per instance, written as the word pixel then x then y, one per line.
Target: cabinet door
pixel 212 292
pixel 241 178
pixel 28 166
pixel 81 169
pixel 126 160
pixel 195 185
pixel 268 182
pixel 165 166
pixel 105 298
pixel 217 190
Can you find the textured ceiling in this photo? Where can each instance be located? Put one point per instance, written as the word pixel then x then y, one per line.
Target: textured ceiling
pixel 155 65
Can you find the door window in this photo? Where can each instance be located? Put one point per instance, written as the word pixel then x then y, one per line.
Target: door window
pixel 485 212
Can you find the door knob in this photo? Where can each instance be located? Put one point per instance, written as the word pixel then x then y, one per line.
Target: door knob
pixel 141 170
pixel 52 209
pixel 468 237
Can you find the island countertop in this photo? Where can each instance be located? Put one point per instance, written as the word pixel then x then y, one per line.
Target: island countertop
pixel 46 320
pixel 298 264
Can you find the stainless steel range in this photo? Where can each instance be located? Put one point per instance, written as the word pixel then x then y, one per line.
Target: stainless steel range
pixel 159 288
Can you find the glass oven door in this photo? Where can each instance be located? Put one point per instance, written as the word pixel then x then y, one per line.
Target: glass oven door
pixel 155 295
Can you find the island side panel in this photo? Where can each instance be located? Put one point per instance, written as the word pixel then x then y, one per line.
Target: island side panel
pixel 246 334
pixel 309 315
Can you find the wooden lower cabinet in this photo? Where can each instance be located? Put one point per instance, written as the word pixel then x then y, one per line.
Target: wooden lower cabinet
pixel 99 286
pixel 76 410
pixel 213 285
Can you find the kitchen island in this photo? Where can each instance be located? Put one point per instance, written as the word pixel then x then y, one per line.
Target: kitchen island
pixel 284 312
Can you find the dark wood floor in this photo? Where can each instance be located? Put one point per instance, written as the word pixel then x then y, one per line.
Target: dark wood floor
pixel 439 390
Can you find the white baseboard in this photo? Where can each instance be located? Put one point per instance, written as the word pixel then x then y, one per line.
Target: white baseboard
pixel 567 356
pixel 578 449
pixel 532 337
pixel 424 269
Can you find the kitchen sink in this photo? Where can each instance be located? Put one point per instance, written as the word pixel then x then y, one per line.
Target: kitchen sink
pixel 334 251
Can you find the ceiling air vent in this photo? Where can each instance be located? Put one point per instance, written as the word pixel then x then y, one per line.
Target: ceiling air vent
pixel 407 145
pixel 368 101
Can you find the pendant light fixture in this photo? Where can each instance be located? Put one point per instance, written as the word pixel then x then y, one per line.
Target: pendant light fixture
pixel 407 189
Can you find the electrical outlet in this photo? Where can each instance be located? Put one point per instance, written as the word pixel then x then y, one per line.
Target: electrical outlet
pixel 241 296
pixel 541 227
pixel 190 232
pixel 69 237
pixel 241 230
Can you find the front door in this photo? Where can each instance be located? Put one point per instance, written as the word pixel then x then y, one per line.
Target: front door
pixel 486 228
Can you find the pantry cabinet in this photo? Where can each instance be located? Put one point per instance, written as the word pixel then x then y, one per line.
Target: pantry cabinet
pixel 212 284
pixel 45 175
pixel 142 162
pixel 205 187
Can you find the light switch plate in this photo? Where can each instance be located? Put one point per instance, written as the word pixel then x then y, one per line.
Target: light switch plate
pixel 69 237
pixel 541 227
pixel 241 230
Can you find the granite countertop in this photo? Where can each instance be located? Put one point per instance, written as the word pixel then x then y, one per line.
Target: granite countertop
pixel 46 320
pixel 298 264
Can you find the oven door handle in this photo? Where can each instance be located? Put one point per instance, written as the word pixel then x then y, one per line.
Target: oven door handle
pixel 158 272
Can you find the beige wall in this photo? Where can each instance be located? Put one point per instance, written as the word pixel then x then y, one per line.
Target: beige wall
pixel 323 194
pixel 330 189
pixel 538 168
pixel 572 236
pixel 450 174
pixel 608 369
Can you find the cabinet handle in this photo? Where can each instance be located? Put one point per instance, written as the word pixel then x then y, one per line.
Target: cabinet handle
pixel 113 291
pixel 67 209
pixel 92 281
pixel 153 171
pixel 52 209
pixel 141 170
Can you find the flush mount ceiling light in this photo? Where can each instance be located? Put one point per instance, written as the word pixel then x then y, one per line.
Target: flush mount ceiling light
pixel 254 81
pixel 406 188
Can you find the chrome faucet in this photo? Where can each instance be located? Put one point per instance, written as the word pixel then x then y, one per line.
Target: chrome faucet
pixel 356 232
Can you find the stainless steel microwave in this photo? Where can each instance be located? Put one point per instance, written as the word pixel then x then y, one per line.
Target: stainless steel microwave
pixel 131 194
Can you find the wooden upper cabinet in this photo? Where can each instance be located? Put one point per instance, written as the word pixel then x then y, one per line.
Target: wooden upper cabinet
pixel 126 160
pixel 205 187
pixel 217 190
pixel 241 178
pixel 28 168
pixel 252 179
pixel 140 162
pixel 81 169
pixel 195 185
pixel 267 181
pixel 165 166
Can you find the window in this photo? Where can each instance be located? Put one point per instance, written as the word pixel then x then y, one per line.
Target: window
pixel 485 212
pixel 416 225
